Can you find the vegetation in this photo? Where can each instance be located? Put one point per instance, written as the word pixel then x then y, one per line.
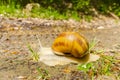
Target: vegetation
pixel 43 74
pixel 35 55
pixel 59 9
pixel 104 66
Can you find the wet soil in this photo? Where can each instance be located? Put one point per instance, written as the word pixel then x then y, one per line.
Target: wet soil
pixel 16 62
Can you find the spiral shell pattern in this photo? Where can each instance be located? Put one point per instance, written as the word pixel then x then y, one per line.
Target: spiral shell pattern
pixel 70 43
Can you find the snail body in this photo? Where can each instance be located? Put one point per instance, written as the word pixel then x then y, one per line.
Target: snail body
pixel 70 43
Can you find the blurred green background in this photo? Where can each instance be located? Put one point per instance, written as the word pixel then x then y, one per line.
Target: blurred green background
pixel 59 9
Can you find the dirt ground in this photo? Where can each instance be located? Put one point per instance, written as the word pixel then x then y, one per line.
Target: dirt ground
pixel 16 62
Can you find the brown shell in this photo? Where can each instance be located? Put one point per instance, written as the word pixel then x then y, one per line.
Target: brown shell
pixel 70 43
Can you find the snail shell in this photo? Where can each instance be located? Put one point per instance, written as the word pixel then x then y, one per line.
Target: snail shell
pixel 70 43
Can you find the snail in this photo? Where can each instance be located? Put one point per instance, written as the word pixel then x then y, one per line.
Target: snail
pixel 70 43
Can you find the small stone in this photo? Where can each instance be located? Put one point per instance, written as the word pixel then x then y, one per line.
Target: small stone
pixel 21 77
pixel 100 27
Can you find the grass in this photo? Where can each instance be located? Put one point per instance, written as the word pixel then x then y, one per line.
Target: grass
pixel 107 65
pixel 35 55
pixel 78 9
pixel 12 10
pixel 42 74
pixel 85 67
pixel 103 66
pixel 48 13
pixel 92 44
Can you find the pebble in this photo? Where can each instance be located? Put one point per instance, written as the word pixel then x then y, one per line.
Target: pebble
pixel 100 27
pixel 97 23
